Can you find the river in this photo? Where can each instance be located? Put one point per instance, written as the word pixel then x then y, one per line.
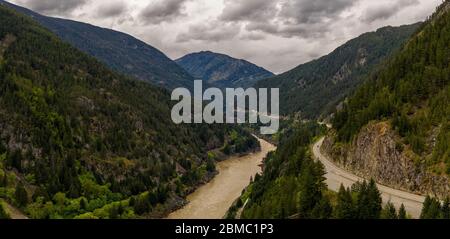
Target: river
pixel 212 200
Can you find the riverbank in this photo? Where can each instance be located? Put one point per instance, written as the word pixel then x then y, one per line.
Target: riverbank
pixel 212 200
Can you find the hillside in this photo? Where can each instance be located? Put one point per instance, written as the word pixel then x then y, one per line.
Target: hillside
pixel 117 50
pixel 293 186
pixel 396 127
pixel 79 140
pixel 222 71
pixel 314 89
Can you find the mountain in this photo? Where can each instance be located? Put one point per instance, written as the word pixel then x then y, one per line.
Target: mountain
pixel 222 71
pixel 396 127
pixel 117 50
pixel 317 87
pixel 80 140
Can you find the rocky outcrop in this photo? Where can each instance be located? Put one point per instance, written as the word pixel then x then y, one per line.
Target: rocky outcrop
pixel 377 153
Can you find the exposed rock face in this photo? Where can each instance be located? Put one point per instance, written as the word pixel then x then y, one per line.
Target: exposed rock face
pixel 375 153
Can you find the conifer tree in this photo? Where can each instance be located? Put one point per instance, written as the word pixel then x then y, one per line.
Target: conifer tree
pixel 389 212
pixel 402 213
pixel 375 200
pixel 344 208
pixel 431 209
pixel 446 209
pixel 21 195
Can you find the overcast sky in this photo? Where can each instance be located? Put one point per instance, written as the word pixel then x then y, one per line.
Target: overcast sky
pixel 275 34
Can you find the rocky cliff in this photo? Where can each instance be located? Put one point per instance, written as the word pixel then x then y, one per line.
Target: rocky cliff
pixel 376 152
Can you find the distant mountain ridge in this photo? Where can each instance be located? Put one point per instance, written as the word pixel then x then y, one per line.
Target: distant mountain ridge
pixel 117 50
pixel 222 71
pixel 315 88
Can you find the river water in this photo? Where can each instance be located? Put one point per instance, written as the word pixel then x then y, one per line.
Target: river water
pixel 212 200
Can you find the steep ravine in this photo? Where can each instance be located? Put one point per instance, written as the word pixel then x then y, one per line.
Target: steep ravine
pixel 375 153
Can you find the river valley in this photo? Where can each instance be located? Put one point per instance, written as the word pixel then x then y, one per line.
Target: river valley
pixel 212 200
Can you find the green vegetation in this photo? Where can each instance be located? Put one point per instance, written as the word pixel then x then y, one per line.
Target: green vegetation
pixel 314 89
pixel 79 140
pixel 3 213
pixel 117 50
pixel 293 186
pixel 434 209
pixel 239 143
pixel 410 91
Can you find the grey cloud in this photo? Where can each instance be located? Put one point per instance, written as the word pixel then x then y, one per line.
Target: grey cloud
pixel 163 11
pixel 253 37
pixel 307 11
pixel 286 18
pixel 386 11
pixel 53 6
pixel 306 31
pixel 262 27
pixel 253 10
pixel 113 9
pixel 213 31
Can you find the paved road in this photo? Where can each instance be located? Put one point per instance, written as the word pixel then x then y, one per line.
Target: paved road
pixel 336 176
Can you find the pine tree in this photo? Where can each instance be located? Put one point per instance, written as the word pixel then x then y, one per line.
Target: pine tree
pixel 369 202
pixel 431 209
pixel 425 207
pixel 389 212
pixel 323 210
pixel 310 190
pixel 362 201
pixel 83 204
pixel 344 208
pixel 21 195
pixel 402 213
pixel 4 180
pixel 446 209
pixel 375 200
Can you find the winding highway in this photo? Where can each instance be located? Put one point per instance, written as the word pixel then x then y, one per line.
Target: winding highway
pixel 336 176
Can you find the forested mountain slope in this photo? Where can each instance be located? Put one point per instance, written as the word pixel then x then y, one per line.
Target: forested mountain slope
pixel 222 71
pixel 117 50
pixel 317 87
pixel 399 121
pixel 293 186
pixel 394 129
pixel 77 139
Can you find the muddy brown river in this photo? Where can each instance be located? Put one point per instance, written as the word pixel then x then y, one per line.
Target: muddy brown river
pixel 212 200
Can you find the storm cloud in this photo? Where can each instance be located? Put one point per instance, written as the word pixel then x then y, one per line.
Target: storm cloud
pixel 249 10
pixel 275 34
pixel 212 31
pixel 53 6
pixel 288 18
pixel 387 10
pixel 113 9
pixel 163 11
pixel 317 11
